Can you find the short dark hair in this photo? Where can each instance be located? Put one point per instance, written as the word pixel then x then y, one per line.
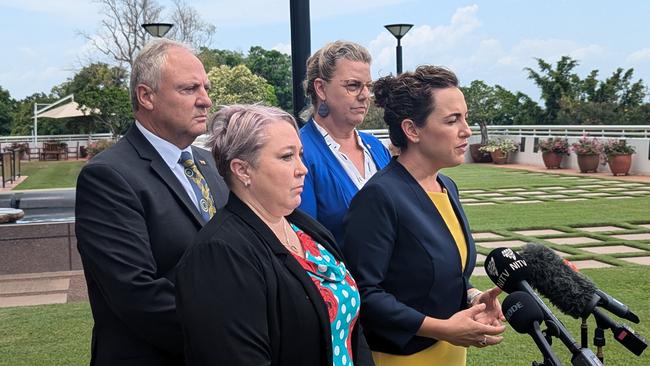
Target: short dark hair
pixel 410 95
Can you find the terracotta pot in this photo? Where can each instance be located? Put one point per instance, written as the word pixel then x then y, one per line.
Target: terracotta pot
pixel 588 163
pixel 552 160
pixel 499 157
pixel 620 164
pixel 479 156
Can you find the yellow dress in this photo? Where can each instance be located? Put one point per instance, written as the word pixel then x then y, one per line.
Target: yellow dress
pixel 441 353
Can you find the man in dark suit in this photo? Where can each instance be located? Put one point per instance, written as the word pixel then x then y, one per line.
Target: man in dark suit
pixel 137 211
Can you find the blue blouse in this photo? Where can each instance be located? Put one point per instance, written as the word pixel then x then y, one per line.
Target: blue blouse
pixel 328 189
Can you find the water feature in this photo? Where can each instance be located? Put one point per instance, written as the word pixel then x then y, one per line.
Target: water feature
pixel 41 206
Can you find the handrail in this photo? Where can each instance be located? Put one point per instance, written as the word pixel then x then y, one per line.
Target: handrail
pixel 610 131
pixel 30 138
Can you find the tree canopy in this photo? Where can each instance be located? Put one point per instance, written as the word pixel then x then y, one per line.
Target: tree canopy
pixel 232 85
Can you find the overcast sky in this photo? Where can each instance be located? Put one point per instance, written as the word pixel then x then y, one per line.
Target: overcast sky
pixel 491 40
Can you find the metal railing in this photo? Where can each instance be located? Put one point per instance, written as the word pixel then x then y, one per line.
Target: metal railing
pixel 30 138
pixel 610 131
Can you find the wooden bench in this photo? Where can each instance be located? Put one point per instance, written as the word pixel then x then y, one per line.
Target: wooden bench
pixel 53 150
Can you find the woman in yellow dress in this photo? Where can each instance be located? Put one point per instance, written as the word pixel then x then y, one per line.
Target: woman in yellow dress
pixel 407 240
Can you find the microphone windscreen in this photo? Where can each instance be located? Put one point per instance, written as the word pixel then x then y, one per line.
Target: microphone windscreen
pixel 521 311
pixel 506 269
pixel 570 291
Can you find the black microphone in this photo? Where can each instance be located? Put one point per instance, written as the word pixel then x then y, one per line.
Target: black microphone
pixel 523 314
pixel 510 272
pixel 572 292
pixel 576 295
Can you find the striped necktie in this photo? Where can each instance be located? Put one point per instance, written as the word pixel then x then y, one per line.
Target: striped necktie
pixel 199 186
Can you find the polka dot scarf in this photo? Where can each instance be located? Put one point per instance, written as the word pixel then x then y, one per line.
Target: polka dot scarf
pixel 339 291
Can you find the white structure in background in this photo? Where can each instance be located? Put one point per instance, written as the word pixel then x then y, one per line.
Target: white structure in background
pixel 528 136
pixel 71 109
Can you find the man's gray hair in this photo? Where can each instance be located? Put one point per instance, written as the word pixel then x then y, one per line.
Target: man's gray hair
pixel 147 66
pixel 237 132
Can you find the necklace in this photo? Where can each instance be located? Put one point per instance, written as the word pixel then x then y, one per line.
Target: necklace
pixel 290 246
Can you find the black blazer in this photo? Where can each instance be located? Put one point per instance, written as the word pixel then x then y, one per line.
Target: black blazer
pixel 244 300
pixel 404 259
pixel 134 220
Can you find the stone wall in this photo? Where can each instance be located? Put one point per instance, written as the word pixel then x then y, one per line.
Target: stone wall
pixel 38 247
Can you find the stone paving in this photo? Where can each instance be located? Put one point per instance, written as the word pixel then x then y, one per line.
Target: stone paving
pixel 573 188
pixel 597 246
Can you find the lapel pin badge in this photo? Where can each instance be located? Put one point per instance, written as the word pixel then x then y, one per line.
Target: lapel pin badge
pixel 202 162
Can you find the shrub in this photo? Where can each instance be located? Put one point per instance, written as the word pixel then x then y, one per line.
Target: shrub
pixel 96 147
pixel 558 145
pixel 505 145
pixel 587 146
pixel 617 147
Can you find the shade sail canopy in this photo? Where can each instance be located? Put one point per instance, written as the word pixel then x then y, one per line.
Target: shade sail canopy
pixel 72 109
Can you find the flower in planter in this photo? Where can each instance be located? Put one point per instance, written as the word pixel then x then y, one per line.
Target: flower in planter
pixel 617 147
pixel 587 146
pixel 558 145
pixel 504 145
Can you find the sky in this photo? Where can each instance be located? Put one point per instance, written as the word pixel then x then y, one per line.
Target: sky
pixel 491 40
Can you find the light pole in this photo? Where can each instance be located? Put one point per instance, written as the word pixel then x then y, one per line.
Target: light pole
pixel 399 30
pixel 157 30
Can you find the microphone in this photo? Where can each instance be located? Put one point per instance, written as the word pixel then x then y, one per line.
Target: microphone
pixel 572 292
pixel 510 272
pixel 576 295
pixel 524 316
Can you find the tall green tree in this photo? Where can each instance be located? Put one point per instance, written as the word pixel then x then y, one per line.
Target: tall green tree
pixel 103 92
pixel 6 107
pixel 275 67
pixel 21 117
pixel 555 84
pixel 232 85
pixel 213 57
pixel 481 105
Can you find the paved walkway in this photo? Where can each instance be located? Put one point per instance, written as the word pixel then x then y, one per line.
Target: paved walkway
pixel 11 185
pixel 574 172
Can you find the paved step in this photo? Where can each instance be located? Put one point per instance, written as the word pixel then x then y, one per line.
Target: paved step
pixel 42 288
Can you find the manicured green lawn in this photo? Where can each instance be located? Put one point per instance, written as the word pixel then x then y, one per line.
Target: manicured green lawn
pixel 60 334
pixel 45 335
pixel 50 174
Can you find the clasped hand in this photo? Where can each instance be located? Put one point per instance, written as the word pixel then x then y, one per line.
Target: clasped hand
pixel 480 325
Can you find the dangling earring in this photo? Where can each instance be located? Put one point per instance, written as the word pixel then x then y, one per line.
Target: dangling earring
pixel 323 110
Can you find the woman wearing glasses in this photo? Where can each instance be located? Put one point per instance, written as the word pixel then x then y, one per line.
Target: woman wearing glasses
pixel 339 158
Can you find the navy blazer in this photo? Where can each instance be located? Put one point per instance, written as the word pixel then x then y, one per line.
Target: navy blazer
pixel 134 220
pixel 404 259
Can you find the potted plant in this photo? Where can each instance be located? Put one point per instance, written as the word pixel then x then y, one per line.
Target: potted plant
pixel 500 149
pixel 588 152
pixel 553 150
pixel 479 156
pixel 619 156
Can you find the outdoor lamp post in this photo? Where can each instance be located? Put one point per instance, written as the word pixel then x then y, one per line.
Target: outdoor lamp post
pixel 157 29
pixel 399 30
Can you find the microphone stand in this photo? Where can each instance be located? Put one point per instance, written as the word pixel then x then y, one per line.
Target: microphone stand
pixel 581 356
pixel 599 336
pixel 550 359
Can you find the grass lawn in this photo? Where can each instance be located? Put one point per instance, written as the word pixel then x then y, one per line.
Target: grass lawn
pixel 60 334
pixel 50 174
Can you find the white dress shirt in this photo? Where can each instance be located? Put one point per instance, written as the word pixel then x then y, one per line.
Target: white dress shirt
pixel 170 153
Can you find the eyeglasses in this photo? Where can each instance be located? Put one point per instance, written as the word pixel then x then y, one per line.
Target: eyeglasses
pixel 355 87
